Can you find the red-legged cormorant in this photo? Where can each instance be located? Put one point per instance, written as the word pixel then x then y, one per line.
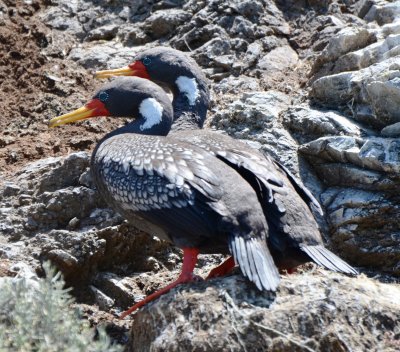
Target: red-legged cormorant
pixel 174 189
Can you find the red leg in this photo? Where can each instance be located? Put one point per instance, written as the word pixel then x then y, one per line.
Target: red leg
pixel 222 269
pixel 189 262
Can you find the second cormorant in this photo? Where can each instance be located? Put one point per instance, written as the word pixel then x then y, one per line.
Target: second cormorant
pixel 294 237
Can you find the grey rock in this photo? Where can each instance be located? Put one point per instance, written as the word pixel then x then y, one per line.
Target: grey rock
pixel 10 189
pixel 243 28
pixel 249 9
pixel 256 117
pixel 315 123
pixel 123 291
pixel 75 254
pixel 11 250
pixel 162 23
pixel 347 175
pixel 103 301
pixel 240 318
pixel 372 54
pixel 256 109
pixel 391 130
pixel 390 28
pixel 234 84
pixel 213 49
pixel 349 39
pixel 53 173
pixel 253 52
pixel 103 56
pixel 385 99
pixel 278 59
pixel 363 87
pixel 224 61
pixel 380 154
pixel 383 12
pixel 107 32
pixel 362 224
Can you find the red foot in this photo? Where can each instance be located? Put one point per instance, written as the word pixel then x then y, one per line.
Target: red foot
pixel 222 269
pixel 291 270
pixel 189 262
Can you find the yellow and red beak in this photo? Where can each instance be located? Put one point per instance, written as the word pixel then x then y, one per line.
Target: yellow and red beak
pixel 92 109
pixel 135 69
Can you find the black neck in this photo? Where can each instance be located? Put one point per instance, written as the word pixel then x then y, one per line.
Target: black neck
pixel 188 116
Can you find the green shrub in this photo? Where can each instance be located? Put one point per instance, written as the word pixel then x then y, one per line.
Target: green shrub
pixel 35 315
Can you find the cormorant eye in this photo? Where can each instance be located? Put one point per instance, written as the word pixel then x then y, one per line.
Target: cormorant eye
pixel 103 96
pixel 146 61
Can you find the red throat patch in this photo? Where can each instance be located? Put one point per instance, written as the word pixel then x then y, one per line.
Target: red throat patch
pixel 139 69
pixel 99 108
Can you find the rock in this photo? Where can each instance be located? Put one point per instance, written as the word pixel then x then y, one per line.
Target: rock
pixel 233 84
pixel 75 254
pixel 347 40
pixel 104 302
pixel 107 32
pixel 383 12
pixel 256 117
pixel 317 123
pixel 11 250
pixel 10 189
pixel 161 23
pixel 347 175
pixel 362 224
pixel 391 130
pixel 385 99
pixel 361 216
pixel 363 88
pixel 213 49
pixel 22 270
pixel 278 59
pixel 123 291
pixel 253 52
pixel 310 312
pixel 370 55
pixel 242 28
pixel 255 109
pixel 380 154
pixel 53 173
pixel 102 56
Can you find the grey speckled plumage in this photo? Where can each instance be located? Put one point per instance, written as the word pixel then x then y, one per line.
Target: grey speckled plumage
pixel 182 193
pixel 294 237
pixel 293 232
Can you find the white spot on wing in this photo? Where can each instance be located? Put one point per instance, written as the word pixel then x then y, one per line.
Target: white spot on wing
pixel 151 110
pixel 188 86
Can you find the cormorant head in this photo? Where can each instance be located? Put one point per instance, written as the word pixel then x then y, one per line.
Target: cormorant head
pixel 133 97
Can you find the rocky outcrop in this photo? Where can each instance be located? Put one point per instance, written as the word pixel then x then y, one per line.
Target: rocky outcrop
pixel 315 84
pixel 53 212
pixel 317 311
pixel 360 165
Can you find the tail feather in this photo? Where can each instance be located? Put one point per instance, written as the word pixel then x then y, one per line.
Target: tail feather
pixel 255 261
pixel 324 257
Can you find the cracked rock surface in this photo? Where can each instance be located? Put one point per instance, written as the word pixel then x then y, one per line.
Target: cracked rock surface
pixel 315 84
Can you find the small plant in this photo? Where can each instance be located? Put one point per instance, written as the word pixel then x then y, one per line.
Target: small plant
pixel 36 316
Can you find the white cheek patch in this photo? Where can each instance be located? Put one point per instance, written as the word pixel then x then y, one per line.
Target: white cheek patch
pixel 188 86
pixel 152 111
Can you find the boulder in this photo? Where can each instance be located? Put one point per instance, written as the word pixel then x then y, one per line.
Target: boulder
pixel 311 311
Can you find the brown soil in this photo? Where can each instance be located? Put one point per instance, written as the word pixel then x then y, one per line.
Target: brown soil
pixel 36 84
